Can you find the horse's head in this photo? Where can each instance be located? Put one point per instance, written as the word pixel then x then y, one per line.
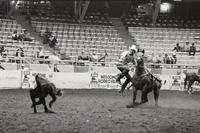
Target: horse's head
pixel 140 62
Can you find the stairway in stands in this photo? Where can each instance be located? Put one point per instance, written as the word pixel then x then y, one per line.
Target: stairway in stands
pixel 21 19
pixel 123 32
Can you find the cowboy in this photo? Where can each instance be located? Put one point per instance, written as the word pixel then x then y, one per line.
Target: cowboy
pixel 126 57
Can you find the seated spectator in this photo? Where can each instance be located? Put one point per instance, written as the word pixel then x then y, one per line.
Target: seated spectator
pixel 186 47
pixel 65 57
pixel 94 58
pixel 15 36
pixel 166 59
pixel 46 36
pixel 20 52
pixel 192 50
pixel 52 42
pixel 155 59
pixel 25 36
pixel 177 48
pixel 83 56
pixel 160 58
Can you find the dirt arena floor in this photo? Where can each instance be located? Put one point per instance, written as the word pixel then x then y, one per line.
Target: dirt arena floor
pixel 100 111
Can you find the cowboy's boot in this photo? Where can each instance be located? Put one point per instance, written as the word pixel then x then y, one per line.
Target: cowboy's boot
pixel 119 76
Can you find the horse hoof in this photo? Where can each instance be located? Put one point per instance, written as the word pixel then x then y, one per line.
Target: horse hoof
pixel 49 111
pixel 130 106
pixel 145 101
pixel 189 92
pixel 121 91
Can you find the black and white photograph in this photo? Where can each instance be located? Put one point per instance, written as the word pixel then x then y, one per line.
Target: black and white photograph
pixel 99 66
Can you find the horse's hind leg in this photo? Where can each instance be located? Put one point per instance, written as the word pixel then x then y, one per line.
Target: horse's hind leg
pixel 45 106
pixel 156 91
pixel 53 99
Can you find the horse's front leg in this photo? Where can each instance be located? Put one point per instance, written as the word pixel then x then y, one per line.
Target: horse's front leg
pixel 132 105
pixel 144 97
pixel 190 87
pixel 32 95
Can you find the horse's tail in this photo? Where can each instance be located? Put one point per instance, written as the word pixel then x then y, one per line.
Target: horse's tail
pixel 57 91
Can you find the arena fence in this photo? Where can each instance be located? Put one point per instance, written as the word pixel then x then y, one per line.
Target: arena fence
pixel 96 77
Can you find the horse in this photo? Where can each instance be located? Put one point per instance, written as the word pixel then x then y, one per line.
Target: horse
pixel 190 78
pixel 42 92
pixel 146 82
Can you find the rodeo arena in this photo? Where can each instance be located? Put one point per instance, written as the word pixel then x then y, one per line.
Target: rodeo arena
pixel 99 66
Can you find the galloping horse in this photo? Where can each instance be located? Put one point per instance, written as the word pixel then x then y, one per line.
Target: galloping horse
pixel 43 91
pixel 145 82
pixel 190 78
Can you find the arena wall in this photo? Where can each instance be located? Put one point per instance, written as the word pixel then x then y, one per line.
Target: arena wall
pixel 93 77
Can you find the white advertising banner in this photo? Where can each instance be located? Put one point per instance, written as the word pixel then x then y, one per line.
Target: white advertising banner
pixel 10 79
pixel 71 80
pixel 61 80
pixel 104 80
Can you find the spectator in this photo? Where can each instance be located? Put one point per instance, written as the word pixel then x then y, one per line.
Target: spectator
pixel 25 36
pixel 15 36
pixel 173 58
pixel 155 59
pixel 55 69
pixel 192 50
pixel 186 47
pixel 20 52
pixel 94 58
pixel 166 59
pixel 46 36
pixel 177 48
pixel 41 55
pixel 53 42
pixel 83 56
pixel 2 50
pixel 160 58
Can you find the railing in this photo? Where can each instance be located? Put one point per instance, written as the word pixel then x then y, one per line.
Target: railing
pixel 29 61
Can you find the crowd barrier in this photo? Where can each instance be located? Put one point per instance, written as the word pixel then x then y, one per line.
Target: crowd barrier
pixel 94 78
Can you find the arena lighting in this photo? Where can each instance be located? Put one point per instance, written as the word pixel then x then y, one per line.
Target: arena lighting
pixel 12 2
pixel 165 7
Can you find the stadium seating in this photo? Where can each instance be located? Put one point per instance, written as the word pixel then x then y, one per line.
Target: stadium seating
pixel 7 27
